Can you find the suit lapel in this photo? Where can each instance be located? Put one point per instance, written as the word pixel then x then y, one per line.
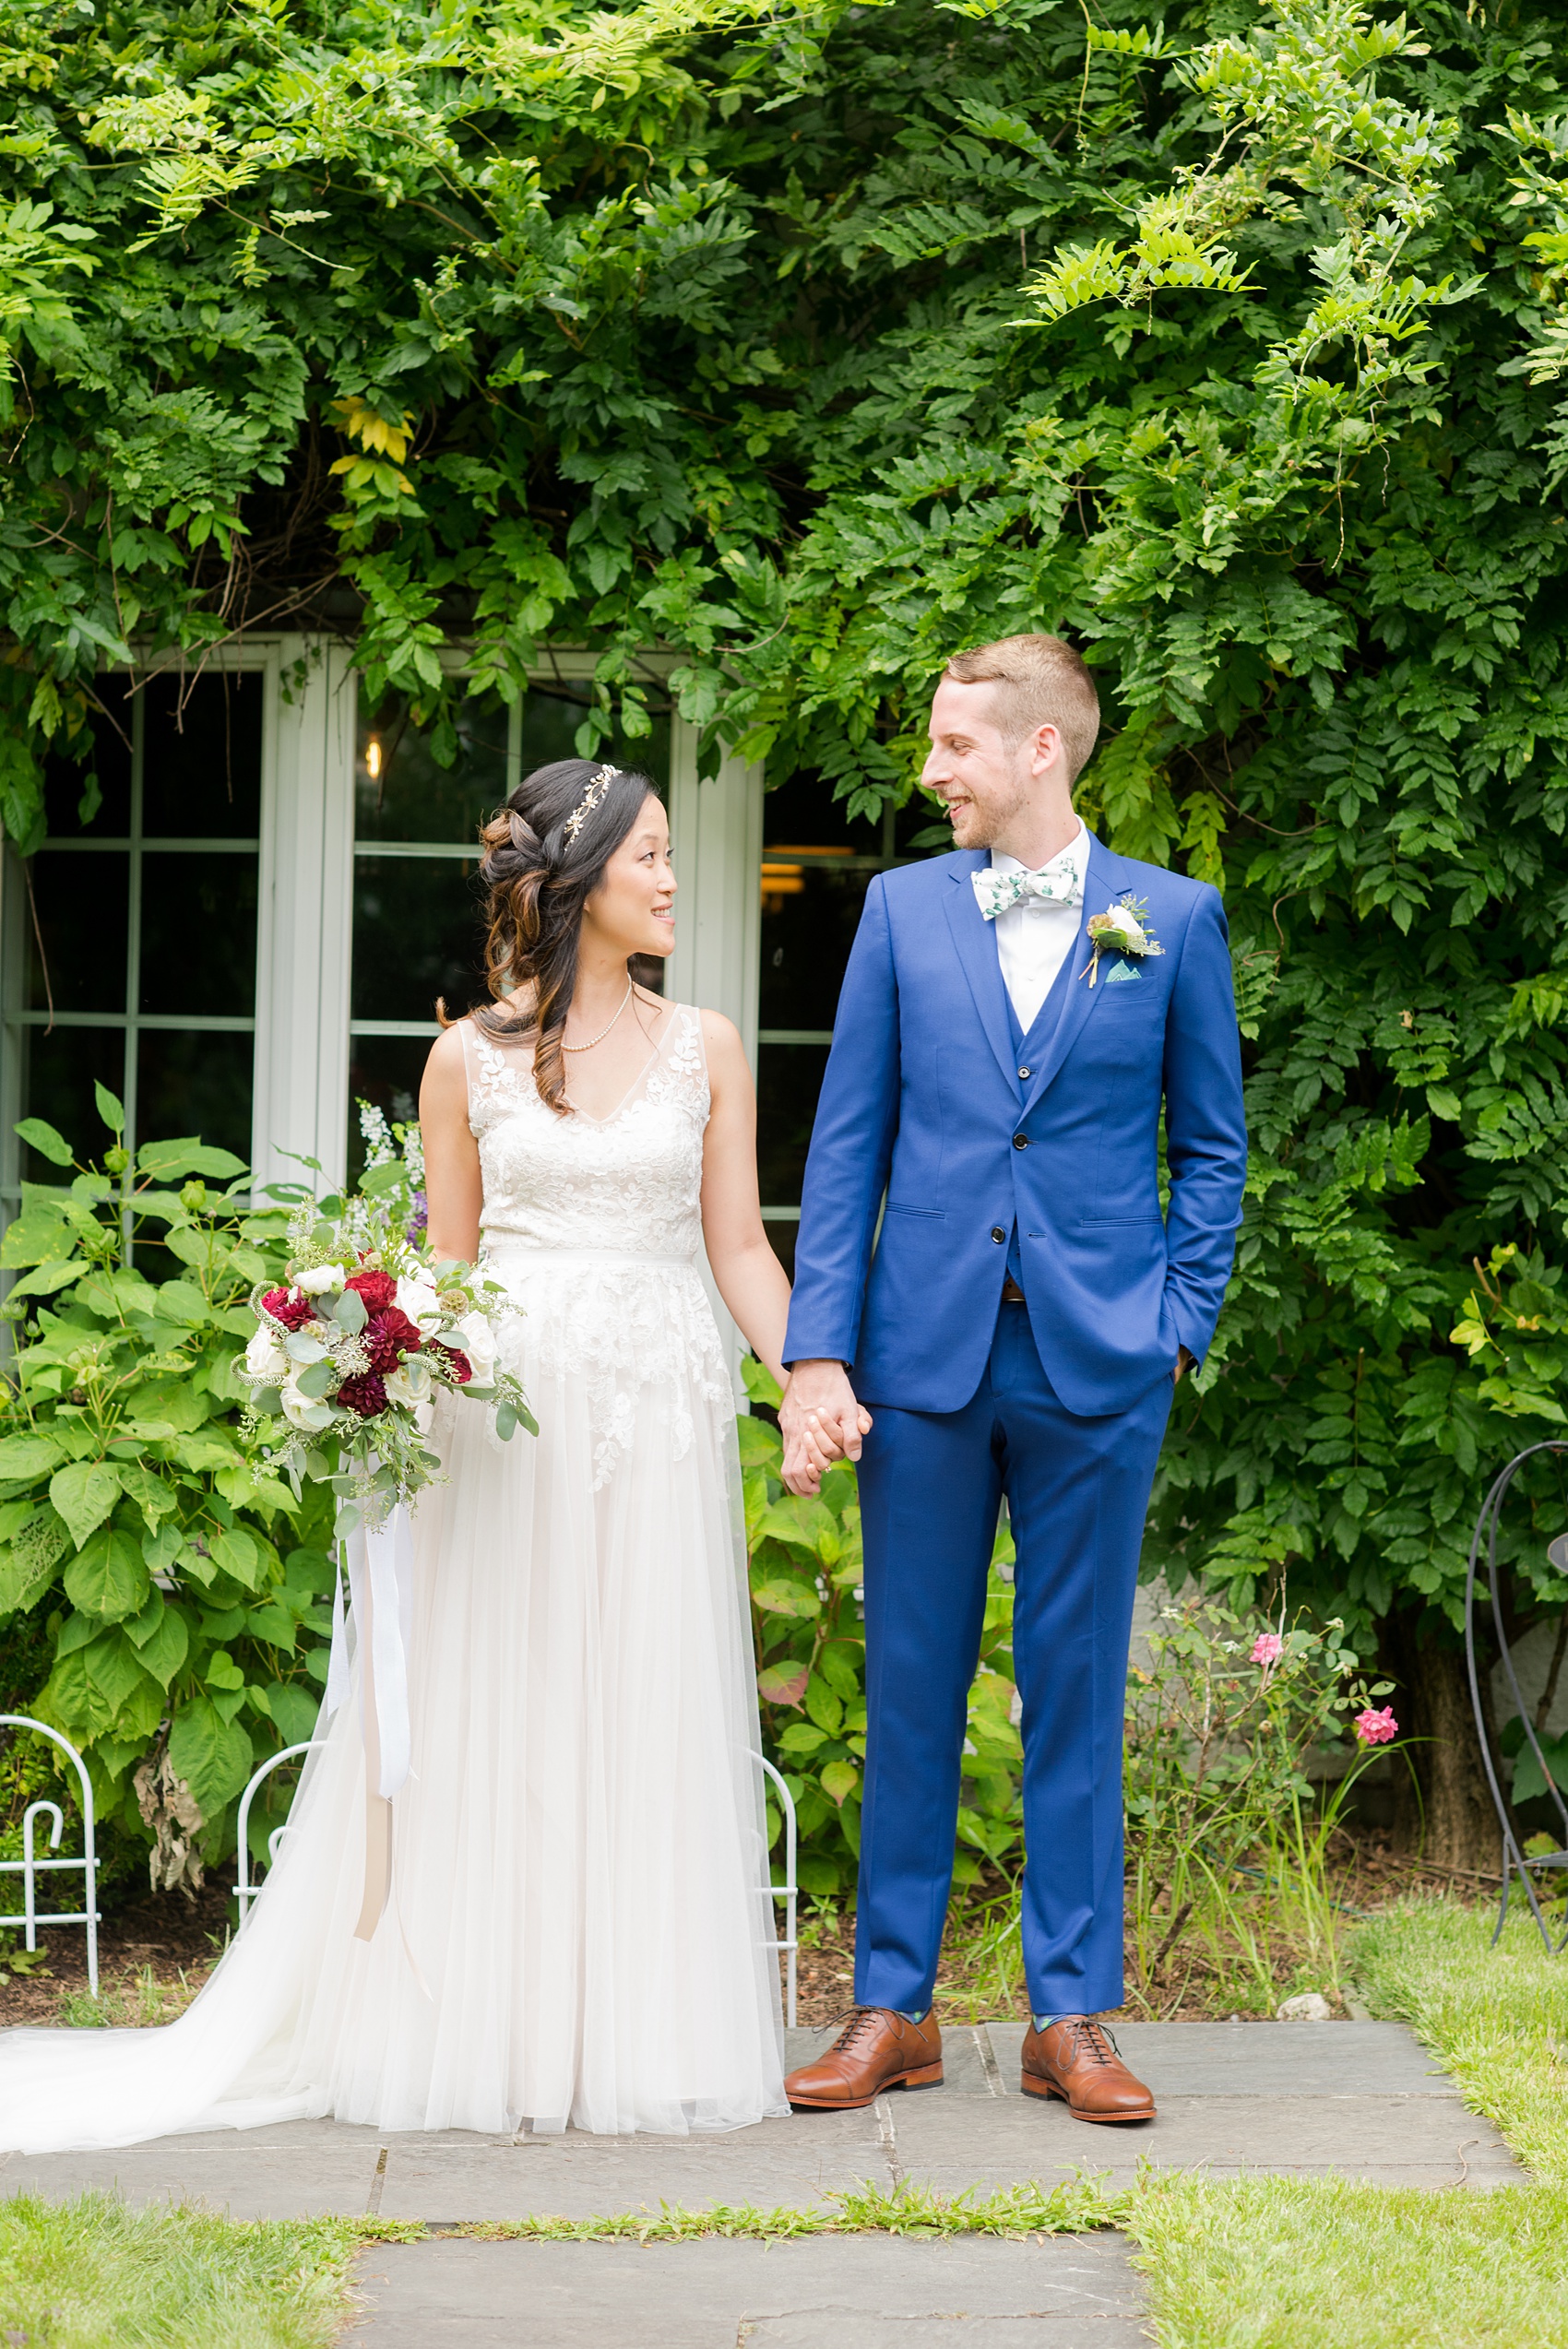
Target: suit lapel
pixel 975 942
pixel 1102 886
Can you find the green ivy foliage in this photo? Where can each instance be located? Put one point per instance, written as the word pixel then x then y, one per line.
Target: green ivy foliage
pixel 811 342
pixel 184 1592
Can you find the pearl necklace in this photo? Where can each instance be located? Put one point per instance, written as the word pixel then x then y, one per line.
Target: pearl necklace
pixel 603 1032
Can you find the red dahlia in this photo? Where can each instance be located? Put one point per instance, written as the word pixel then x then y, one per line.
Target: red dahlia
pixel 387 1336
pixel 293 1312
pixel 366 1394
pixel 462 1369
pixel 378 1290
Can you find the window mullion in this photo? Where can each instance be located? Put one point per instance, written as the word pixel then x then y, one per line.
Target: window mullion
pixel 132 948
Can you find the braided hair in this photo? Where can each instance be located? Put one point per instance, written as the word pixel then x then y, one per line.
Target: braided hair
pixel 537 881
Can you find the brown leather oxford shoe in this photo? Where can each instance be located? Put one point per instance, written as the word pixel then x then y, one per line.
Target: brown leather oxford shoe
pixel 876 2049
pixel 1077 2060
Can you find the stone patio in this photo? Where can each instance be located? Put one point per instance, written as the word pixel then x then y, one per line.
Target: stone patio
pixel 1354 2099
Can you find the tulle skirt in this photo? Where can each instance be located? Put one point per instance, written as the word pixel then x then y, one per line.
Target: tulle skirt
pixel 579 1924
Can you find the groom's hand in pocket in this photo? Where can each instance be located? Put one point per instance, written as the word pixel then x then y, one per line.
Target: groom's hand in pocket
pixel 820 1421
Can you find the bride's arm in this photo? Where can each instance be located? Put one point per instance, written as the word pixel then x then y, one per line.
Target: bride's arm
pixel 749 1276
pixel 453 1186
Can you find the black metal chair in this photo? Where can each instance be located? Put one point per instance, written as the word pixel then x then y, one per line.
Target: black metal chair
pixel 1516 1862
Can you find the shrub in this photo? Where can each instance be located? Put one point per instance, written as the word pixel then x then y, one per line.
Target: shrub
pixel 181 1591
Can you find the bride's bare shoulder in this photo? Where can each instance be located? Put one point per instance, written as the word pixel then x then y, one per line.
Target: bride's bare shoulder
pixel 446 1052
pixel 444 1088
pixel 722 1046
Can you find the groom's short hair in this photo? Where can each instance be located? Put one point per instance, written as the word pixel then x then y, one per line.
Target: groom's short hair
pixel 1041 681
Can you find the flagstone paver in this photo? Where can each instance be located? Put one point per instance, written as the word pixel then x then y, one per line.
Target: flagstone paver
pixel 825 2292
pixel 1357 2099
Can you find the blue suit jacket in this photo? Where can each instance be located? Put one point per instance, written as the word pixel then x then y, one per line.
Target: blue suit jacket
pixel 922 1101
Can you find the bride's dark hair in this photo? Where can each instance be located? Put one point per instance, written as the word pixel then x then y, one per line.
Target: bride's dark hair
pixel 537 881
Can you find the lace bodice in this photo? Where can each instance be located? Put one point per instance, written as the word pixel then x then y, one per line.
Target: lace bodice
pixel 628 1183
pixel 594 1225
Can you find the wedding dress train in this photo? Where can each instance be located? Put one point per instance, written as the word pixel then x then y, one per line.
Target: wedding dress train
pixel 579 1924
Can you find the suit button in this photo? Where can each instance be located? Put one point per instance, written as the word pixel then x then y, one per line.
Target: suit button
pixel 1020 1142
pixel 1026 1073
pixel 998 1234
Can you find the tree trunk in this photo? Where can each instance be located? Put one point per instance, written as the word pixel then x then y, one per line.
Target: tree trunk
pixel 1453 1825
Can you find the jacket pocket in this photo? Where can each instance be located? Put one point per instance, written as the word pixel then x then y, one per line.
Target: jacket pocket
pixel 896 1207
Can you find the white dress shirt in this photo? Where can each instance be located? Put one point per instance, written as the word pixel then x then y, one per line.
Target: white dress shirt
pixel 1034 938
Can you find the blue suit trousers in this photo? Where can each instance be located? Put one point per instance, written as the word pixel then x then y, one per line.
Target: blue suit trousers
pixel 1077 1490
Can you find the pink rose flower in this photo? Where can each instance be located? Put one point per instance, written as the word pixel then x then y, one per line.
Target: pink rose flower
pixel 1268 1648
pixel 1376 1728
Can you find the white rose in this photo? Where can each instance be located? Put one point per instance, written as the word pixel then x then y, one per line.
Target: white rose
pixel 1131 928
pixel 299 1409
pixel 418 1299
pixel 409 1383
pixel 319 1280
pixel 265 1358
pixel 478 1345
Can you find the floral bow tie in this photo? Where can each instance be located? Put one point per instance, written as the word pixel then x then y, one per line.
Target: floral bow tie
pixel 1057 883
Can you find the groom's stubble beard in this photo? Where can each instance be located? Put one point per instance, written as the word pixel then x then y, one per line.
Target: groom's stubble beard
pixel 980 823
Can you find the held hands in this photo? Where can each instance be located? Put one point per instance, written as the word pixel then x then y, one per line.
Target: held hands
pixel 820 1421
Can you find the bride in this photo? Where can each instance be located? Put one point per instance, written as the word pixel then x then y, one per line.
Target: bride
pixel 578 1923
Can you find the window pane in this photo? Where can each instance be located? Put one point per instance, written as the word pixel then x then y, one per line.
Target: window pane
pixel 198 935
pixel 57 1077
pixel 386 1069
pixel 809 919
pixel 401 791
pixel 551 714
pixel 803 813
pixel 191 1081
pixel 105 753
pixel 82 903
pixel 201 771
pixel 418 934
pixel 788 1080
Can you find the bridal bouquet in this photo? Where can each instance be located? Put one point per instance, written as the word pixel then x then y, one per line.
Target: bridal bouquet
pixel 349 1352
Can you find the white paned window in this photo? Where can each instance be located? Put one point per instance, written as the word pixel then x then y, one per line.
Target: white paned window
pixel 130 941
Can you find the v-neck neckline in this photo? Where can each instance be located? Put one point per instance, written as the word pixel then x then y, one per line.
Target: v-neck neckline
pixel 610 1115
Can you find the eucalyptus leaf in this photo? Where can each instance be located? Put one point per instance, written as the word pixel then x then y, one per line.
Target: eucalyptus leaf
pixel 350 1311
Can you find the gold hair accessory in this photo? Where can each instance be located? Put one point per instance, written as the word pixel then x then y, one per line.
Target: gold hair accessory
pixel 590 800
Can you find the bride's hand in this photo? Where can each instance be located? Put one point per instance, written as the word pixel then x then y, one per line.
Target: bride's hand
pixel 821 1422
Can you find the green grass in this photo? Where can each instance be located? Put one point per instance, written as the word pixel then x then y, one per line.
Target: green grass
pixel 92 2274
pixel 1498 2018
pixel 1079 2206
pixel 1328 2263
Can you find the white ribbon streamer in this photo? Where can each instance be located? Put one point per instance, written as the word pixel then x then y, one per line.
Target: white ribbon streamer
pixel 381 1587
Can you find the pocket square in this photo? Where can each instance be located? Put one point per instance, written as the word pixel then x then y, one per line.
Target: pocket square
pixel 1122 971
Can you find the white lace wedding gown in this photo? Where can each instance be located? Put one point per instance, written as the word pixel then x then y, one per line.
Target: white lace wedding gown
pixel 577 1928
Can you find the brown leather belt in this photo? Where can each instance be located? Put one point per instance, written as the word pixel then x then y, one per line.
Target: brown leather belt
pixel 1011 1293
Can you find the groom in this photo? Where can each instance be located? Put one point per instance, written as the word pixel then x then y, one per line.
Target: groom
pixel 984 1260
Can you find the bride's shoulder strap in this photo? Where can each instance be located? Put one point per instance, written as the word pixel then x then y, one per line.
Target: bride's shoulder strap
pixel 684 1048
pixel 492 1077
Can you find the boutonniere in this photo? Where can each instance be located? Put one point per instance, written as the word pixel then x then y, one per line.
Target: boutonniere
pixel 1124 929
